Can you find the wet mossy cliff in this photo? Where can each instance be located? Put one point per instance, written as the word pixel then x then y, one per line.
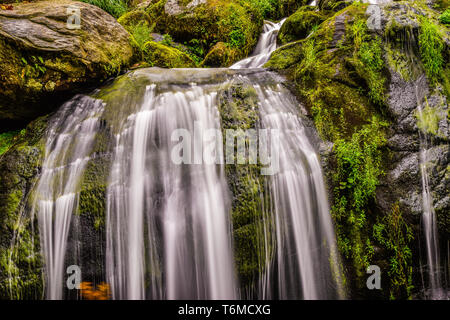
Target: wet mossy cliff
pixel 362 74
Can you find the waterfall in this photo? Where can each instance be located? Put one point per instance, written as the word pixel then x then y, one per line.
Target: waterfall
pixel 428 215
pixel 169 228
pixel 267 44
pixel 306 248
pixel 69 142
pixel 188 202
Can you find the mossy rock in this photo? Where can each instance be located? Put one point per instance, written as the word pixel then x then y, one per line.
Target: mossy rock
pixel 20 259
pixel 132 18
pixel 200 27
pixel 238 106
pixel 220 55
pixel 159 55
pixel 45 59
pixel 299 25
pixel 285 56
pixel 333 5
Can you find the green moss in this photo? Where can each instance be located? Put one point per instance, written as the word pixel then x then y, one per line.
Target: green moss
pixel 431 47
pixel 7 140
pixel 428 119
pixel 299 25
pixel 235 23
pixel 358 167
pixel 285 56
pixel 157 54
pixel 139 25
pixel 20 260
pixel 239 110
pixel 445 17
pixel 220 55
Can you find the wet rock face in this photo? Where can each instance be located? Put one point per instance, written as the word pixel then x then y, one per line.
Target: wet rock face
pixel 403 178
pixel 49 50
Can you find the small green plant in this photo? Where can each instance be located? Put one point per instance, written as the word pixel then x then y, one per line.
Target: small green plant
pixel 196 49
pixel 371 56
pixel 394 235
pixel 307 66
pixel 368 58
pixel 167 40
pixel 116 8
pixel 141 33
pixel 34 67
pixel 445 17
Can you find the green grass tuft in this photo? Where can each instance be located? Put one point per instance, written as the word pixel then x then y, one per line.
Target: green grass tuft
pixel 116 8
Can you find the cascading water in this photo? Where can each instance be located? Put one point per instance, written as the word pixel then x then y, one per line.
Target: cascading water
pixel 428 216
pixel 168 223
pixel 306 249
pixel 180 207
pixel 70 138
pixel 267 44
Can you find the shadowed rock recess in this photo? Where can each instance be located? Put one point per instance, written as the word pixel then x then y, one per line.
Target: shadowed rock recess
pixel 359 92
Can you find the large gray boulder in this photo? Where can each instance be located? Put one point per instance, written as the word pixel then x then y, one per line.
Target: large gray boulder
pixel 49 50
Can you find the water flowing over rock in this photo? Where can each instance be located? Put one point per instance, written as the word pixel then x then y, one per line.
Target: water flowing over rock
pixel 172 225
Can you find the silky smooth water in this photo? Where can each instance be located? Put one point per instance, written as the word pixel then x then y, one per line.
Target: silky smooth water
pixel 267 44
pixel 169 230
pixel 435 289
pixel 70 137
pixel 307 259
pixel 167 215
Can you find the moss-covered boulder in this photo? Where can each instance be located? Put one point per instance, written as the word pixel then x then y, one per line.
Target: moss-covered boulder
pixel 46 56
pixel 333 5
pixel 221 55
pixel 300 24
pixel 200 25
pixel 20 259
pixel 160 55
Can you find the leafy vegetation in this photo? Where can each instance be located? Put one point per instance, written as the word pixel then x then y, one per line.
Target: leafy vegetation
pixel 300 24
pixel 358 167
pixel 431 49
pixel 369 62
pixel 445 17
pixel 394 235
pixel 116 8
